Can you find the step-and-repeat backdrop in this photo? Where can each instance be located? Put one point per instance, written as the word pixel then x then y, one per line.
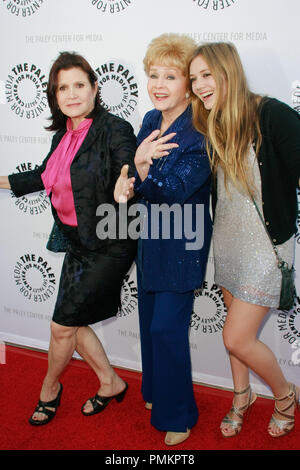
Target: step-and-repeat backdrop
pixel 113 35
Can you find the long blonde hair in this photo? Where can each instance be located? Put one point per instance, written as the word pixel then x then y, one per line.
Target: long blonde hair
pixel 232 125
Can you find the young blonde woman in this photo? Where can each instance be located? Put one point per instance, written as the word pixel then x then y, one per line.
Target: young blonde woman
pixel 254 147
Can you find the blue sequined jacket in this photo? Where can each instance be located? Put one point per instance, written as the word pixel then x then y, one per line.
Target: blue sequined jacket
pixel 182 181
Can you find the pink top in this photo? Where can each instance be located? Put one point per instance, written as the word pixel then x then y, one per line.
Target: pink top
pixel 57 176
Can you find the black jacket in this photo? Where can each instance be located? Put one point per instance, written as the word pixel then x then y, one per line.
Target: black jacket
pixel 109 144
pixel 279 165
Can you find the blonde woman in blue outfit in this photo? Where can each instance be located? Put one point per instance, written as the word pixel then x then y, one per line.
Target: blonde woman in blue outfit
pixel 172 168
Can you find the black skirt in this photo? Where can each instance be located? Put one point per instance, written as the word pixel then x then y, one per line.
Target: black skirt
pixel 91 281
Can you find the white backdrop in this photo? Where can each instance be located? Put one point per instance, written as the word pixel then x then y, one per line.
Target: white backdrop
pixel 113 36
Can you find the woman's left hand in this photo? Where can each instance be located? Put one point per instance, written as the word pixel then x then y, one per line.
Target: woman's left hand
pixel 124 186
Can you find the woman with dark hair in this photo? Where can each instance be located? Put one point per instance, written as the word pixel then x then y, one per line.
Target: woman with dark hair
pixel 79 174
pixel 67 61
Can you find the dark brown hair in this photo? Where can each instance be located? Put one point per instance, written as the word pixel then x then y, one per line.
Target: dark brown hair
pixel 65 61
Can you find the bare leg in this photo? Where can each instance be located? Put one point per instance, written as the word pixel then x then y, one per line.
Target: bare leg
pixel 240 331
pixel 246 351
pixel 61 348
pixel 240 375
pixel 240 371
pixel 90 348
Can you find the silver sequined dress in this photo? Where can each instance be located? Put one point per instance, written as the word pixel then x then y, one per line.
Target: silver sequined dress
pixel 245 263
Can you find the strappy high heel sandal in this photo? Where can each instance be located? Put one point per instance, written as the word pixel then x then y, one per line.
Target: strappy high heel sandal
pixel 286 425
pixel 239 412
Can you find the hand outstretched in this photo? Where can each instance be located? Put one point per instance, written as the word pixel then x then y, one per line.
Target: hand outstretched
pixel 124 186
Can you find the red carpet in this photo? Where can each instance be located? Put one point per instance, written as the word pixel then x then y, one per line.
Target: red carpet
pixel 122 426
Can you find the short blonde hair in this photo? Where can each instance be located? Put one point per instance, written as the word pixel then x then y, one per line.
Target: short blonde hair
pixel 170 49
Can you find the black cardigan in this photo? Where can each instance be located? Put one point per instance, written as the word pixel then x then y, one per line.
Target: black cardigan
pixel 109 144
pixel 279 165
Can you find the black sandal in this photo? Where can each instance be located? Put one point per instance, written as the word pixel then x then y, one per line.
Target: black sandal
pixel 100 403
pixel 42 408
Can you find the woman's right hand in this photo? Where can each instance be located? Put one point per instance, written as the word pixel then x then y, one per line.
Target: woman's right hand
pixel 152 147
pixel 4 182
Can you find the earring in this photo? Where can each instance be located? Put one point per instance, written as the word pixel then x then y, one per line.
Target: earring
pixel 187 95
